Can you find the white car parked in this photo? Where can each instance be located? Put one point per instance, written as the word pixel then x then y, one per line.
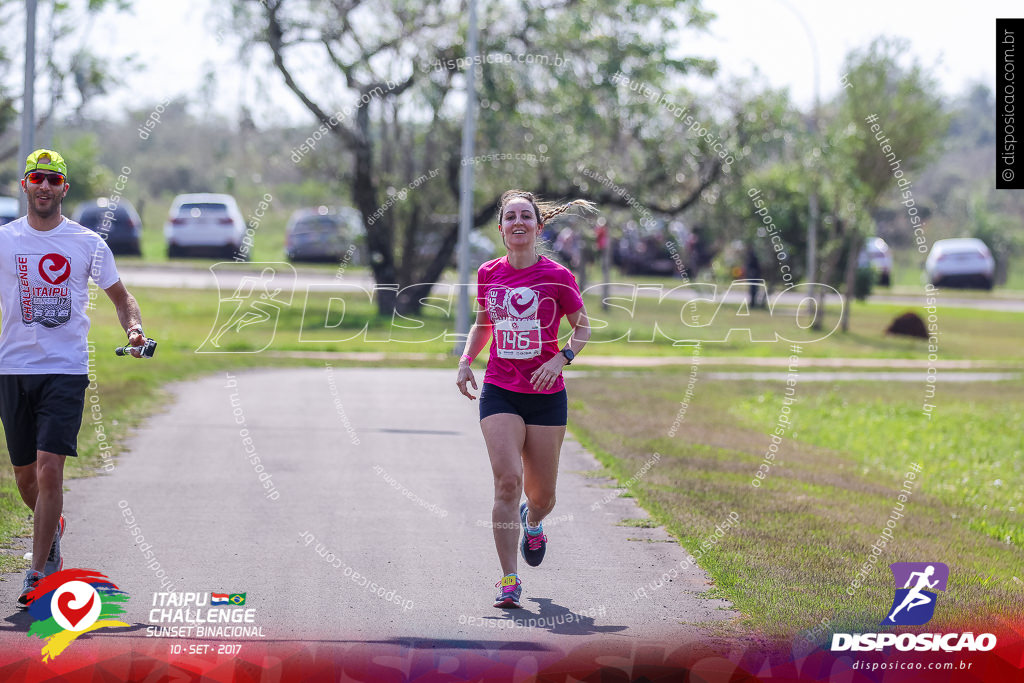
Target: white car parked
pixel 9 210
pixel 208 224
pixel 876 255
pixel 960 262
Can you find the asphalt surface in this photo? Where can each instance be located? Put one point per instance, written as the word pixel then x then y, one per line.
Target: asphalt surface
pixel 372 471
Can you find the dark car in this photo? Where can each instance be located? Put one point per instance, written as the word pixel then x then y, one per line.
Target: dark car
pixel 324 234
pixel 652 250
pixel 9 210
pixel 119 224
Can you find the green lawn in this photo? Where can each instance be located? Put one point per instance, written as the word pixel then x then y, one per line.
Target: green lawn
pixel 347 321
pixel 807 530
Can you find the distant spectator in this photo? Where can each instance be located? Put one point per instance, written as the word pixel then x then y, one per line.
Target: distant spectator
pixel 753 272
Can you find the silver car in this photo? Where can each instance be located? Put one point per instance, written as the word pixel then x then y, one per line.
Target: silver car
pixel 960 262
pixel 208 224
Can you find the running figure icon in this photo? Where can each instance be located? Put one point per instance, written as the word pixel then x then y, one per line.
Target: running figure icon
pixel 915 597
pixel 255 303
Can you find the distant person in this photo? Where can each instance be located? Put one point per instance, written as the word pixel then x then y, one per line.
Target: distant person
pixel 753 272
pixel 523 405
pixel 567 246
pixel 46 261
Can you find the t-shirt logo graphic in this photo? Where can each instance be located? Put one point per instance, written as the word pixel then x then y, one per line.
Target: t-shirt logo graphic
pixel 521 302
pixel 913 605
pixel 54 269
pixel 516 327
pixel 42 288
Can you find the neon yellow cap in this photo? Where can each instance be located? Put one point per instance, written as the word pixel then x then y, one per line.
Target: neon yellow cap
pixel 46 160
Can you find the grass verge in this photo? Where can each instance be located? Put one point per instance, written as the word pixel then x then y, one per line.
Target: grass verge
pixel 805 533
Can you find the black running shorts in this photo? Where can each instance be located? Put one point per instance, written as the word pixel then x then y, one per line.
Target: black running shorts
pixel 536 409
pixel 41 413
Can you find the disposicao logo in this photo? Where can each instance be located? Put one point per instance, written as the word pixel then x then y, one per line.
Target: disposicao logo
pixel 68 603
pixel 914 605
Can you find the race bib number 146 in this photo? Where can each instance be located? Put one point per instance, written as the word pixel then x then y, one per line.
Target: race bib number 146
pixel 517 338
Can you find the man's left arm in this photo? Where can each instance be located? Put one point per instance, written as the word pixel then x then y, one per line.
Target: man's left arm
pixel 127 313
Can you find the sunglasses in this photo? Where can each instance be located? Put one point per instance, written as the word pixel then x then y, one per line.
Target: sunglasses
pixel 37 177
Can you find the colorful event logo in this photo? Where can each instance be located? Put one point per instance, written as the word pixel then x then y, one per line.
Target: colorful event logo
pixel 913 605
pixel 71 602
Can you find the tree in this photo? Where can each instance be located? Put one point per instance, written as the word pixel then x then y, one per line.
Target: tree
pixel 885 127
pixel 1000 232
pixel 384 79
pixel 74 66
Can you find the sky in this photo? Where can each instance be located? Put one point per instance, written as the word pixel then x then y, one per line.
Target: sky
pixel 178 42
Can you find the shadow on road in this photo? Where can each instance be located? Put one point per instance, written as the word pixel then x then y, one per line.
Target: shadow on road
pixel 18 622
pixel 21 622
pixel 553 618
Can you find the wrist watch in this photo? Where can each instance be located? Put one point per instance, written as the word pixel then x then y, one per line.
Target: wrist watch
pixel 135 328
pixel 569 355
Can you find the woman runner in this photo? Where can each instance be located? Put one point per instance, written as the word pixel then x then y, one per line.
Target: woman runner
pixel 522 297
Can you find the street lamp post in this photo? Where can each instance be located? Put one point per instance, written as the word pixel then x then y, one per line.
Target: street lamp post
pixel 466 187
pixel 28 114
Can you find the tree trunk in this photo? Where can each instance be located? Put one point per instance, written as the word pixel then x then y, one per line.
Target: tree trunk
pixel 851 276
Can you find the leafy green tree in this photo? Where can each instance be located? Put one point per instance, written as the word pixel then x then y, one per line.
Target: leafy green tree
pixel 75 67
pixel 386 82
pixel 999 231
pixel 900 98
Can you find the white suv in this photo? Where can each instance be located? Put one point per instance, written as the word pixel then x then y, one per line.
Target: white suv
pixel 204 224
pixel 960 262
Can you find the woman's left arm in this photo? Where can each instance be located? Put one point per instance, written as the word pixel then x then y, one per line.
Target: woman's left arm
pixel 544 377
pixel 580 330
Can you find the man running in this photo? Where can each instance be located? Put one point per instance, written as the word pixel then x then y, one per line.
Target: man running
pixel 46 261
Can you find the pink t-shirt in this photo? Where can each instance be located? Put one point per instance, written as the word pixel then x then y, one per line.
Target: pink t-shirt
pixel 525 307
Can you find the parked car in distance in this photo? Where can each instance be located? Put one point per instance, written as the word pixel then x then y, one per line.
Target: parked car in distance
pixel 481 249
pixel 204 224
pixel 876 255
pixel 960 262
pixel 325 234
pixel 9 210
pixel 645 250
pixel 119 225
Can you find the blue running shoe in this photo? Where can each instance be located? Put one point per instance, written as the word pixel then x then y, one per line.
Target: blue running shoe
pixel 510 589
pixel 533 545
pixel 32 579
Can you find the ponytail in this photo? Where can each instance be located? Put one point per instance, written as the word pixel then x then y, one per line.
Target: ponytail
pixel 545 211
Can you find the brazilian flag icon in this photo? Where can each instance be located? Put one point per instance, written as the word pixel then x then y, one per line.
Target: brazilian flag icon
pixel 237 599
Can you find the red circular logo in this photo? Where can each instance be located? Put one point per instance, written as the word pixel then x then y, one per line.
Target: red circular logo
pixel 54 268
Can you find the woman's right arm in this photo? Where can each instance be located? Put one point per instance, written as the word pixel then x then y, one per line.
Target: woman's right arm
pixel 478 337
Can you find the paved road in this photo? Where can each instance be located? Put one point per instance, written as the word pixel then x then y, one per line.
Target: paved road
pixel 375 471
pixel 229 277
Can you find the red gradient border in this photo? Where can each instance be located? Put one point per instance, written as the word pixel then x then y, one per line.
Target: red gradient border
pixel 136 659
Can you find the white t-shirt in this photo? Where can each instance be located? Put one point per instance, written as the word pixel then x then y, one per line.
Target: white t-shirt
pixel 44 291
